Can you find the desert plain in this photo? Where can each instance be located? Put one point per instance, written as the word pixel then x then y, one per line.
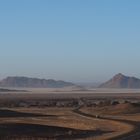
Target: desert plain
pixel 66 114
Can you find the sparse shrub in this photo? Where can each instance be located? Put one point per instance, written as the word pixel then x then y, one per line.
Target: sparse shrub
pixel 115 102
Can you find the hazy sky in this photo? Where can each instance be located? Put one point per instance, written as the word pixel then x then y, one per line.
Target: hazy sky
pixel 73 40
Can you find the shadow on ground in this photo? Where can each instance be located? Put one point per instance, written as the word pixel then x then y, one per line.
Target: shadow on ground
pixel 10 113
pixel 20 131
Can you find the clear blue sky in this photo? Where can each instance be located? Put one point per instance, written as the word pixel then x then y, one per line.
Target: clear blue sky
pixel 73 40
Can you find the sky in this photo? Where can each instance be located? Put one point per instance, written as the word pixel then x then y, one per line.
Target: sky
pixel 72 40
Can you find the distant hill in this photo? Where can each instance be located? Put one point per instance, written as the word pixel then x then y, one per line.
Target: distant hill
pixel 121 81
pixel 33 83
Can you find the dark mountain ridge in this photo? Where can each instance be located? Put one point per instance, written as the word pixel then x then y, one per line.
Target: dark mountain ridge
pixel 121 81
pixel 33 82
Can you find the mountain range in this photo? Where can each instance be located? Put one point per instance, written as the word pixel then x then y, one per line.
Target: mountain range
pixel 33 83
pixel 121 81
pixel 118 81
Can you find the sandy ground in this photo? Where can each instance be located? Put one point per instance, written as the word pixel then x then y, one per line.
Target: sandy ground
pixel 65 117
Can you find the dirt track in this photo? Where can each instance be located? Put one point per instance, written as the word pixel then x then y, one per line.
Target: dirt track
pixel 133 135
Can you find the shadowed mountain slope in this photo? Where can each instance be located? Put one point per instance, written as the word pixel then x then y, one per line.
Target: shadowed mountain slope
pixel 33 83
pixel 121 81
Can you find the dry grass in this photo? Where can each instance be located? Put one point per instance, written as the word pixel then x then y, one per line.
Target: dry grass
pixel 64 117
pixel 119 109
pixel 118 128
